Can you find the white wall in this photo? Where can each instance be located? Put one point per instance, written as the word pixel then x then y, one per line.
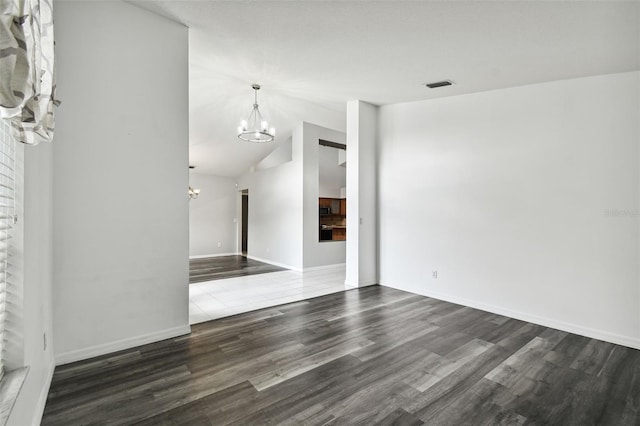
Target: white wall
pixel 275 210
pixel 331 176
pixel 362 215
pixel 120 207
pixel 212 216
pixel 525 201
pixel 280 155
pixel 317 253
pixel 37 313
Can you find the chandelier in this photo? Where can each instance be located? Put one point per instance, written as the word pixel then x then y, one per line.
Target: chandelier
pixel 255 128
pixel 193 193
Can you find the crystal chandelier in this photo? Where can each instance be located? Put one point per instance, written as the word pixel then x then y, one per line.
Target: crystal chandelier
pixel 255 128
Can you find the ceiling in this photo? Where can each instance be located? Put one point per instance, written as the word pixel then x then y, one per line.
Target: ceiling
pixel 311 57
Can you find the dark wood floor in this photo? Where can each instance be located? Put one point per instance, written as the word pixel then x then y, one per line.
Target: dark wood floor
pixel 367 356
pixel 217 268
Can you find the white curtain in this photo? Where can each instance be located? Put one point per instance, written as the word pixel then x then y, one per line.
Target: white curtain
pixel 27 80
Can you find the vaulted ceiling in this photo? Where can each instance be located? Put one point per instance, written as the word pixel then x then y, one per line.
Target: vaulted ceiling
pixel 311 57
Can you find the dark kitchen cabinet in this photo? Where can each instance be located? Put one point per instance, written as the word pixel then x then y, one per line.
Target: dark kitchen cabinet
pixel 332 219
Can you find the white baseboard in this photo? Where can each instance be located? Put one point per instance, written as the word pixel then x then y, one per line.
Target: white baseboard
pixel 271 262
pixel 355 284
pixel 38 410
pixel 321 267
pixel 204 256
pixel 618 339
pixel 118 345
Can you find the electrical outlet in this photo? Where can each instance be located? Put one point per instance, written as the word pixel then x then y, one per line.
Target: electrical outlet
pixel 434 275
pixel 44 340
pixel 219 244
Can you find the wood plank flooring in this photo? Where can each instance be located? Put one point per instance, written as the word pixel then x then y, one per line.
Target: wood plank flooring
pixel 367 356
pixel 217 268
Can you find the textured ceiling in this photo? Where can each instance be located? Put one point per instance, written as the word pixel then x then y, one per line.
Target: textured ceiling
pixel 311 57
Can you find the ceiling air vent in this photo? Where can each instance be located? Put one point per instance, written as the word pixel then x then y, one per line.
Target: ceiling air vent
pixel 439 84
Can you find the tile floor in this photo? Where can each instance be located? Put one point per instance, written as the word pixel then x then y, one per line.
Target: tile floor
pixel 220 298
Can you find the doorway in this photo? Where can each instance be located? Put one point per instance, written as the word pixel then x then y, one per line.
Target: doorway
pixel 245 222
pixel 332 201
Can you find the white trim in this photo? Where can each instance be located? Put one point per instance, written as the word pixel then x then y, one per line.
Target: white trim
pixel 42 401
pixel 523 316
pixel 361 284
pixel 321 267
pixel 10 387
pixel 271 262
pixel 204 256
pixel 118 345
